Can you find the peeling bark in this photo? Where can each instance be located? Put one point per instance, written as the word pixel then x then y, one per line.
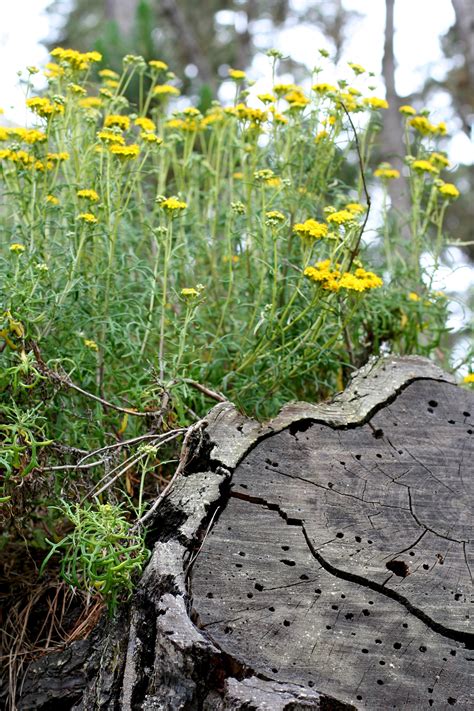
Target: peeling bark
pixel 320 561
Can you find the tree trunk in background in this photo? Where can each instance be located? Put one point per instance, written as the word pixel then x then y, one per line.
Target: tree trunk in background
pixel 123 12
pixel 188 44
pixel 464 11
pixel 392 134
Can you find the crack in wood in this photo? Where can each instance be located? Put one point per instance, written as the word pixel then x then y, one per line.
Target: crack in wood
pixel 466 638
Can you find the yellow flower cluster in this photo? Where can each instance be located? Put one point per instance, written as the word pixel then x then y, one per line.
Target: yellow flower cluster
pixel 386 172
pixel 125 152
pixel 117 121
pixel 166 90
pixel 356 68
pixel 341 217
pixel 440 160
pixel 87 217
pixel 469 378
pixel 332 279
pixel 172 204
pixel 311 229
pixel 448 191
pixel 237 74
pixel 146 124
pixel 189 292
pixel 90 102
pixel 426 128
pixel 323 88
pixel 158 65
pixel 17 248
pixel 26 135
pixel 246 113
pixel 407 110
pixel 88 194
pixel 374 102
pixel 296 98
pixel 76 60
pixel 44 107
pixel 108 74
pixel 111 137
pixel 424 166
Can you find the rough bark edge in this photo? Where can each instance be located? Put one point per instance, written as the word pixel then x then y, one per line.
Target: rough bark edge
pixel 168 662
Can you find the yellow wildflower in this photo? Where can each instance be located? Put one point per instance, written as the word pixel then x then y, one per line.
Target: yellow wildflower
pixel 189 292
pixel 237 74
pixel 311 229
pixel 76 89
pixel 91 344
pixel 166 90
pixel 356 68
pixel 75 59
pixel 116 121
pixel 375 103
pixel 247 113
pixel 112 83
pixel 110 137
pixel 108 74
pixel 281 89
pixel 58 157
pixel 341 217
pixel 274 182
pixel 296 98
pixel 407 110
pixel 386 172
pixel 266 98
pixel 44 107
pixel 146 124
pixel 171 204
pixel 151 138
pixel 449 191
pixel 424 166
pixel 277 117
pixel 52 199
pixel 53 70
pixel 439 160
pixel 422 125
pixel 468 378
pixel 28 135
pixel 275 215
pixel 323 88
pixel 413 296
pixel 238 175
pixel 441 128
pixel 355 207
pixel 158 65
pixel 90 102
pixel 87 217
pixel 88 194
pixel 17 248
pixel 321 136
pixel 125 152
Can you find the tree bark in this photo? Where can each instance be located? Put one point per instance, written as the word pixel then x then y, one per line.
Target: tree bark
pixel 392 134
pixel 123 12
pixel 188 44
pixel 320 561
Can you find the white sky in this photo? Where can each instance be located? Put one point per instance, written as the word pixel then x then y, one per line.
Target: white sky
pixel 419 25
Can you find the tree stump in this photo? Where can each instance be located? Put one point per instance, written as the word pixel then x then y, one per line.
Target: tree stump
pixel 323 560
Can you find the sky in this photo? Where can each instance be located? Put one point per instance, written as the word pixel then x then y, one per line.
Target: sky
pixel 24 23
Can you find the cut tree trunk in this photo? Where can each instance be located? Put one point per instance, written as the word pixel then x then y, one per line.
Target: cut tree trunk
pixel 321 561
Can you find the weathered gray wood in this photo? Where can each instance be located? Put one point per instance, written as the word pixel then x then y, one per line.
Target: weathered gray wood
pixel 289 569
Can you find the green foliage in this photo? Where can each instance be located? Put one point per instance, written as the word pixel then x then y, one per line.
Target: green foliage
pixel 101 553
pixel 157 259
